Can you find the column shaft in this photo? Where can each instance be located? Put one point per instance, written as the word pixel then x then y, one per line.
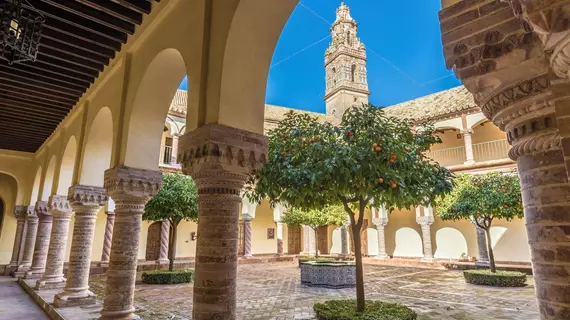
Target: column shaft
pixel 42 241
pixel 279 235
pixel 130 188
pixel 344 241
pixel 381 243
pixel 28 251
pixel 107 240
pixel 20 214
pixel 469 156
pixel 53 275
pixel 426 239
pixel 164 237
pixel 247 238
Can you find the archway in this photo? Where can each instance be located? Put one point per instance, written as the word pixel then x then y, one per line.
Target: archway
pixel 150 108
pixel 36 187
pixel 408 243
pixel 67 166
pixel 48 180
pixel 451 244
pixel 98 149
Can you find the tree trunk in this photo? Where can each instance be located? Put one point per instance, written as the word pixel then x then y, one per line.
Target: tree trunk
pixel 316 242
pixel 490 249
pixel 172 245
pixel 359 271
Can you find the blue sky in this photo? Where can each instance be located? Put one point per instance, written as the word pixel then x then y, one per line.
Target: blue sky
pixel 403 44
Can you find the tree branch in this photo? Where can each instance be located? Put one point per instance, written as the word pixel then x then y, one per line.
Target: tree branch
pixel 479 224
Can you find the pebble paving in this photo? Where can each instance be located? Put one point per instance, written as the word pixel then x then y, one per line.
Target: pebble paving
pixel 274 292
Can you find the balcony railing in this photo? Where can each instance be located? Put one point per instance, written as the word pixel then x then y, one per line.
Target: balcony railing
pixel 485 151
pixel 491 150
pixel 166 155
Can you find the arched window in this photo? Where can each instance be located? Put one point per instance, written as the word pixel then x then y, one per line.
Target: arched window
pixel 353 73
pixel 348 38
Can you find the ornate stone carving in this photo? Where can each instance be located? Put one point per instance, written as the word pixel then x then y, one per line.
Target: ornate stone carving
pixel 427 220
pixel 59 203
pixel 514 94
pixel 20 212
pixel 132 182
pixel 82 195
pixel 41 209
pixel 536 144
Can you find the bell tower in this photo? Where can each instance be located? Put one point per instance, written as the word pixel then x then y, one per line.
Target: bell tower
pixel 345 66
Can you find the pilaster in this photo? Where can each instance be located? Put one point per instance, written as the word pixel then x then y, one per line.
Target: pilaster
pixel 130 188
pixel 86 202
pixel 220 159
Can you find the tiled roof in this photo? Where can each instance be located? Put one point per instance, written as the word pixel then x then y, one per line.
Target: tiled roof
pixel 433 105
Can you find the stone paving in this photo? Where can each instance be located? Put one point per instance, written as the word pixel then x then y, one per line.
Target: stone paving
pixel 273 291
pixel 15 304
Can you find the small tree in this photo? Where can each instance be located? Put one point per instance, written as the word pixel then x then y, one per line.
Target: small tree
pixel 175 201
pixel 368 158
pixel 483 198
pixel 315 218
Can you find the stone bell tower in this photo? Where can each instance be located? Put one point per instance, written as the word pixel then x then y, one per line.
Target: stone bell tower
pixel 345 66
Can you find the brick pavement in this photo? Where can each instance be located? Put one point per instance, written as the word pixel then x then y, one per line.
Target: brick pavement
pixel 273 291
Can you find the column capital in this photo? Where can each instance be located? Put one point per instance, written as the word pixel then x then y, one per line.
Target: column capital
pixel 380 221
pixel 133 183
pixel 59 203
pixel 20 212
pixel 42 211
pixel 86 196
pixel 426 220
pixel 215 149
pixel 466 132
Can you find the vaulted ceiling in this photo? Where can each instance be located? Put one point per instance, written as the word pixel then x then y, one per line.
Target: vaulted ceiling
pixel 79 38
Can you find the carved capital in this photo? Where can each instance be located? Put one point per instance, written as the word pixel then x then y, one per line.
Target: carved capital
pixel 20 212
pixel 217 152
pixel 133 184
pixel 59 203
pixel 426 220
pixel 41 210
pixel 87 196
pixel 380 221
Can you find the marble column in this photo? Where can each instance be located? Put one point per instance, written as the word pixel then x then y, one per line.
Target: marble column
pixel 175 138
pixel 29 243
pixel 61 212
pixel 247 237
pixel 164 237
pixel 110 213
pixel 380 224
pixel 42 241
pixel 483 258
pixel 344 241
pixel 277 213
pixel 130 188
pixel 214 156
pixel 20 213
pixel 467 139
pixel 424 217
pixel 86 202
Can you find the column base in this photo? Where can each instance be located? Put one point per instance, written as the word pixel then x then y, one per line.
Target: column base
pixel 248 256
pixel 482 263
pixel 428 260
pixel 103 264
pixel 74 299
pixel 34 274
pixel 50 284
pixel 21 271
pixel 382 257
pixel 118 315
pixel 159 261
pixel 9 269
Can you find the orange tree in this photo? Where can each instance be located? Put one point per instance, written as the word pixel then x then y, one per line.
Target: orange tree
pixel 483 198
pixel 368 158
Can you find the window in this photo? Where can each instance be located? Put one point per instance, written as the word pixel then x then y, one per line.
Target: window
pixel 353 73
pixel 348 38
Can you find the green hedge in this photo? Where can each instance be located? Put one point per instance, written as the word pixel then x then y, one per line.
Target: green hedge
pixel 374 310
pixel 315 259
pixel 167 277
pixel 498 279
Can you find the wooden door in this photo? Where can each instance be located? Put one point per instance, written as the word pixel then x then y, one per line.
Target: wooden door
pixel 153 242
pixel 241 247
pixel 323 235
pixel 293 240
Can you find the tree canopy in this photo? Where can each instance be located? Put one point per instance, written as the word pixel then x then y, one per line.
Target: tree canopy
pixel 314 218
pixel 175 201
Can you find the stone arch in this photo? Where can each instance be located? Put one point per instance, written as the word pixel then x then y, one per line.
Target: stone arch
pixel 408 243
pixel 451 244
pixel 67 166
pixel 48 180
pixel 253 34
pixel 150 108
pixel 36 187
pixel 98 149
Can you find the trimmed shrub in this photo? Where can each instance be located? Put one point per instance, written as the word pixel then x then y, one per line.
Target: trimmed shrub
pixel 374 310
pixel 498 279
pixel 314 259
pixel 167 277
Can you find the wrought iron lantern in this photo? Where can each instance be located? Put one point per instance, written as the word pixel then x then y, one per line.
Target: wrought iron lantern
pixel 20 31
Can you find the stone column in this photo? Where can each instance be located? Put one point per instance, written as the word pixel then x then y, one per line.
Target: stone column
pixel 277 213
pixel 110 212
pixel 20 213
pixel 130 188
pixel 380 224
pixel 424 217
pixel 214 156
pixel 60 210
pixel 174 148
pixel 344 241
pixel 164 236
pixel 483 259
pixel 247 237
pixel 42 241
pixel 86 202
pixel 28 251
pixel 469 156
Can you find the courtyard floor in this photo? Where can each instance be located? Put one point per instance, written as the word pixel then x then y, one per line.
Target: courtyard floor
pixel 274 291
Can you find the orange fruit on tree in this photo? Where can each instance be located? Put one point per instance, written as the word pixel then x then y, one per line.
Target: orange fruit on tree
pixel 394 186
pixel 374 145
pixel 380 180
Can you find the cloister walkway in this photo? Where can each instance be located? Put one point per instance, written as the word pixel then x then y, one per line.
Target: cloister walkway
pixel 273 291
pixel 15 304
